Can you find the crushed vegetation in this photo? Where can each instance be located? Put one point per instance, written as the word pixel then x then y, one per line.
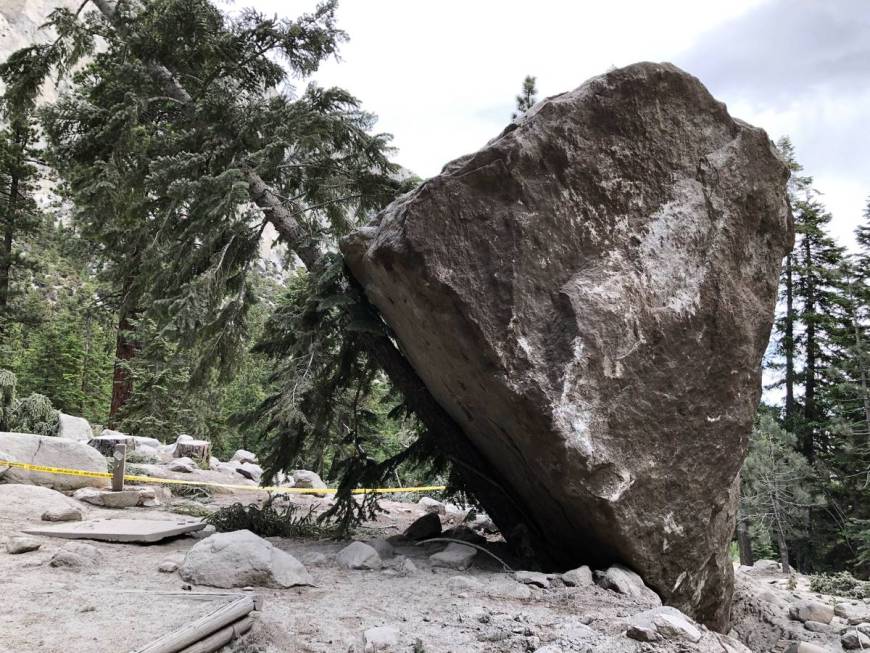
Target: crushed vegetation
pixel 273 520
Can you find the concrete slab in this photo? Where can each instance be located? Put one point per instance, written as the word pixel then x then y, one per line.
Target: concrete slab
pixel 140 531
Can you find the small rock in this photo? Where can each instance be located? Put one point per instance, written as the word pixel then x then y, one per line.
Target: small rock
pixel 75 555
pixel 549 648
pixel 457 584
pixel 184 438
pixel 642 633
pixel 250 471
pixel 16 544
pixel 240 558
pixel 384 548
pixel 508 589
pixel 359 555
pixel 65 514
pixel 213 463
pixel 430 505
pixel 464 533
pixel 182 465
pixel 533 578
pixel 624 581
pixel 425 527
pixel 854 613
pixel 142 441
pixel 455 556
pixel 805 647
pixel 168 567
pixel 853 640
pixel 677 626
pixel 817 627
pixel 667 622
pixel 580 577
pixel 74 428
pixel 811 611
pixel 381 638
pixel 243 456
pixel 121 499
pixel 302 478
pixel 408 567
pixel 768 566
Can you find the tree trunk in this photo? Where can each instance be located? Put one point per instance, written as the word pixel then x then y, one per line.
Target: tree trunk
pixel 8 234
pixel 862 373
pixel 125 351
pixel 6 253
pixel 810 417
pixel 788 345
pixel 783 551
pixel 744 542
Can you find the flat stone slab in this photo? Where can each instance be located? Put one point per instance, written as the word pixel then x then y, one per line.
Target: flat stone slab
pixel 143 531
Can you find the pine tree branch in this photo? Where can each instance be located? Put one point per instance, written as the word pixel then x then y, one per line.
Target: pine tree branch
pixel 503 506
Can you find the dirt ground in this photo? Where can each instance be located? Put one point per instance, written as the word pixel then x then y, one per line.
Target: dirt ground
pixel 125 602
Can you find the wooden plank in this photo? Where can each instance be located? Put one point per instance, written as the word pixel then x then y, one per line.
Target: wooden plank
pixel 222 637
pixel 202 628
pixel 118 471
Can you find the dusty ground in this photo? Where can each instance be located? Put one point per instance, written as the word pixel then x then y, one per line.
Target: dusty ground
pixel 125 602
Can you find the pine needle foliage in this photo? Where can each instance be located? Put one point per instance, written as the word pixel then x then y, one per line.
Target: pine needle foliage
pixel 32 414
pixel 276 517
pixel 324 409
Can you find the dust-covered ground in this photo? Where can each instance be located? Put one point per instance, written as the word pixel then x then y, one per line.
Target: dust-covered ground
pixel 123 601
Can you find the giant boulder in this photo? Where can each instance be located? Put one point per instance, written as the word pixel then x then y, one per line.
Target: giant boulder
pixel 589 296
pixel 49 451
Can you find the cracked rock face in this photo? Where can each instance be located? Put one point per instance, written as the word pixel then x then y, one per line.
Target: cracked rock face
pixel 590 296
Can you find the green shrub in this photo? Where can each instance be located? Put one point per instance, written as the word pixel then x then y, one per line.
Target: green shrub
pixel 33 414
pixel 841 584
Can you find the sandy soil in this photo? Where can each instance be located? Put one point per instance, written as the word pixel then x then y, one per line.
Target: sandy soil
pixel 125 602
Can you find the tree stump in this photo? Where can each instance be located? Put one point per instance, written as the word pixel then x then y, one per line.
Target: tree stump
pixel 196 449
pixel 106 444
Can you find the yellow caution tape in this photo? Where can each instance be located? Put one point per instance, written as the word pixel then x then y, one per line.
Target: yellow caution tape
pixel 174 481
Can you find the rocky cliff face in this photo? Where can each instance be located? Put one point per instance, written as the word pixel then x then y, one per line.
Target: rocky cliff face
pixel 590 296
pixel 20 22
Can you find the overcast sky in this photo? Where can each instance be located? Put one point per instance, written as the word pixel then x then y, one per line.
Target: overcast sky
pixel 442 75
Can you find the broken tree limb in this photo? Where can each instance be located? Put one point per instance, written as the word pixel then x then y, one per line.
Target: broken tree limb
pixel 222 637
pixel 203 628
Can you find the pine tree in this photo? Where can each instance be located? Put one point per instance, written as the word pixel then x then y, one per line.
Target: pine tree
pixel 19 216
pixel 813 286
pixel 848 461
pixel 527 98
pixel 775 483
pixel 785 323
pixel 191 107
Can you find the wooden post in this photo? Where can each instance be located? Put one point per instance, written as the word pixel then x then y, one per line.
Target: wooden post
pixel 232 614
pixel 120 456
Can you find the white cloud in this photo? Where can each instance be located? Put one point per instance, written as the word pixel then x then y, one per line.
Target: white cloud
pixel 442 75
